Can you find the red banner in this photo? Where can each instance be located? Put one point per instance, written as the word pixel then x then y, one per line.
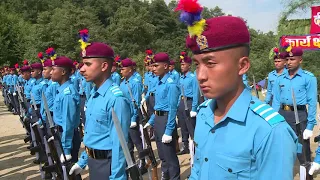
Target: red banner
pixel 305 42
pixel 315 20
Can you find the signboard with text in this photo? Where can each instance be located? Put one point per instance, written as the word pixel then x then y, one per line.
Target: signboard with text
pixel 305 42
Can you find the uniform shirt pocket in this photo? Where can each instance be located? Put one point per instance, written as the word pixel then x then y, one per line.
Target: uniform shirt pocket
pixel 102 123
pixel 227 167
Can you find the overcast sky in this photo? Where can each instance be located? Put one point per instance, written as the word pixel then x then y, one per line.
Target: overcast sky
pixel 261 14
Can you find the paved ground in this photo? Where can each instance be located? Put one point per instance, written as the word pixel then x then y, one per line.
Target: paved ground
pixel 16 162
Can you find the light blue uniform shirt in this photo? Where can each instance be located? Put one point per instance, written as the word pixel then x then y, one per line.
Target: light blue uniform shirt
pixel 116 78
pixel 146 81
pixel 153 81
pixel 272 77
pixel 50 93
pixel 37 90
pixel 304 85
pixel 175 76
pixel 14 82
pixel 100 132
pixel 187 82
pixel 252 141
pixel 166 99
pixel 75 81
pixel 67 113
pixel 136 91
pixel 21 81
pixel 28 86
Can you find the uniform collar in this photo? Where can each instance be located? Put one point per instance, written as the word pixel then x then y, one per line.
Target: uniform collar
pixel 39 80
pixel 130 78
pixel 299 73
pixel 64 85
pixel 283 72
pixel 104 87
pixel 187 74
pixel 164 79
pixel 239 109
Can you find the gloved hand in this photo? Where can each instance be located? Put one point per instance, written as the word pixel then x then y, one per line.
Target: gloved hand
pixel 166 138
pixel 51 139
pixel 146 125
pixel 84 108
pixel 314 167
pixel 307 134
pixel 35 124
pixel 143 100
pixel 14 93
pixel 193 114
pixel 133 125
pixel 68 157
pixel 75 169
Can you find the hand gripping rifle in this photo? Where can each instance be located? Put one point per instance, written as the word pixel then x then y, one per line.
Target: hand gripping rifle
pixel 148 151
pixel 306 166
pixel 132 168
pixel 62 169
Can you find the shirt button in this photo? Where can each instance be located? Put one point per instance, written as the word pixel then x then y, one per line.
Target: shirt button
pixel 230 170
pixel 206 159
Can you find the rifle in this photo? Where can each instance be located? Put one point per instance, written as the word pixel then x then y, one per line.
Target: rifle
pixel 61 169
pixel 23 109
pixel 201 94
pixel 132 168
pixel 307 165
pixel 148 151
pixel 255 86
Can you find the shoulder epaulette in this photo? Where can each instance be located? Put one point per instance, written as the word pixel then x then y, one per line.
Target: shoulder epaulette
pixel 266 112
pixel 67 91
pixel 53 82
pixel 309 73
pixel 192 75
pixel 169 80
pixel 135 79
pixel 204 104
pixel 116 90
pixel 43 82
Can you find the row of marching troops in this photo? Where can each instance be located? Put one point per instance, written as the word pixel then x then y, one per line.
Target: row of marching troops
pixel 233 135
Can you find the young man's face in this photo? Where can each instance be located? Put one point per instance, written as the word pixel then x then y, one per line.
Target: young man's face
pixel 220 72
pixel 294 62
pixel 36 73
pixel 159 69
pixel 56 74
pixel 46 72
pixel 171 67
pixel 94 68
pixel 279 63
pixel 126 71
pixel 185 67
pixel 26 75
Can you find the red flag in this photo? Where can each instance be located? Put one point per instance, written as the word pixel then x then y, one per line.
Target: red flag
pixel 315 20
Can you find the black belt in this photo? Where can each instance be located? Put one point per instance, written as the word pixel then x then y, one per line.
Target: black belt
pixel 98 154
pixel 151 94
pixel 188 98
pixel 290 108
pixel 161 113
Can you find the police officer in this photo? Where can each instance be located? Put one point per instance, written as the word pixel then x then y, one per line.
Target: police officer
pixel 132 85
pixel 187 81
pixel 173 73
pixel 115 75
pixel 304 86
pixel 26 74
pixel 236 134
pixel 280 62
pixel 103 154
pixel 164 118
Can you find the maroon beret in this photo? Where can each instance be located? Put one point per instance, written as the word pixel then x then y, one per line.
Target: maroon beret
pixel 98 50
pixel 25 68
pixel 12 68
pixel 295 52
pixel 36 65
pixel 161 57
pixel 80 65
pixel 185 59
pixel 63 61
pixel 47 63
pixel 172 62
pixel 126 62
pixel 220 33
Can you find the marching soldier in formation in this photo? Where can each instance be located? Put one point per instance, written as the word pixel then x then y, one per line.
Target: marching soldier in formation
pixel 232 115
pixel 115 75
pixel 279 63
pixel 164 118
pixel 304 85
